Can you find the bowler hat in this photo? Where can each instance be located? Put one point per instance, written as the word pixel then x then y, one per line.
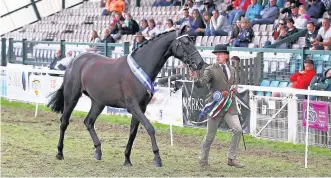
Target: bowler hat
pixel 220 49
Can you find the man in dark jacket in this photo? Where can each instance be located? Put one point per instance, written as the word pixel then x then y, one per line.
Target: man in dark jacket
pixel 107 37
pixel 138 40
pixel 315 9
pixel 311 34
pixel 58 57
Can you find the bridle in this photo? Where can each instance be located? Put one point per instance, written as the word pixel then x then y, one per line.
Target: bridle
pixel 186 55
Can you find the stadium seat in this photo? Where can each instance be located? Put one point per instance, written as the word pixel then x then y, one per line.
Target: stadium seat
pixel 272 84
pixel 264 83
pixel 283 84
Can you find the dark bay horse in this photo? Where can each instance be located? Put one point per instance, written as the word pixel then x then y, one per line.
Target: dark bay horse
pixel 111 82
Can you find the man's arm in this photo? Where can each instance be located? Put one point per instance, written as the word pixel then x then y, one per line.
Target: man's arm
pixel 206 77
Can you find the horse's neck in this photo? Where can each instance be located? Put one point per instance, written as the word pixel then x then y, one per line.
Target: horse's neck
pixel 153 55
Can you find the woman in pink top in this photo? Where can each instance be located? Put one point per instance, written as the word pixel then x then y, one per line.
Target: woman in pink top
pixel 301 21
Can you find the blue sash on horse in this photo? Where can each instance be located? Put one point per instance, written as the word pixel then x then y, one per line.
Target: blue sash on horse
pixel 220 101
pixel 141 75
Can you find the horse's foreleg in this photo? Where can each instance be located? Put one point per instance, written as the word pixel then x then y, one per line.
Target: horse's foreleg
pixel 133 133
pixel 135 110
pixel 89 121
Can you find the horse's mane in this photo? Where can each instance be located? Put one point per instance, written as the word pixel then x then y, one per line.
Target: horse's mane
pixel 152 39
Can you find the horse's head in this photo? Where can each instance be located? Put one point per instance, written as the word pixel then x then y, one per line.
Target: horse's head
pixel 184 49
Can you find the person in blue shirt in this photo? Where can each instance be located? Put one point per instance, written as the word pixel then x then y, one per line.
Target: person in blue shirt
pixel 253 10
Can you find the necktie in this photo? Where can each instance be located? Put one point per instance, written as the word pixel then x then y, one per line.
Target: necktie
pixel 225 72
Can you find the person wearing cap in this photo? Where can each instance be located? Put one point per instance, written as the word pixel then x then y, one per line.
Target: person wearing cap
pixel 220 76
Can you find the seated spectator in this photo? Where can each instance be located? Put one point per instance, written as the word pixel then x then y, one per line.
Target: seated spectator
pixel 279 3
pixel 143 25
pixel 186 20
pixel 327 4
pixel 302 20
pixel 323 39
pixel 290 26
pixel 302 79
pixel 253 10
pixel 267 15
pixel 118 6
pixel 107 37
pixel 188 5
pixel 283 34
pixel 219 24
pixel 310 35
pixel 281 25
pixel 64 63
pixel 58 57
pixel 197 5
pixel 235 31
pixel 158 3
pixel 94 39
pixel 321 83
pixel 139 39
pixel 130 26
pixel 315 9
pixel 294 12
pixel 209 6
pixel 106 10
pixel 151 30
pixel 196 24
pixel 245 35
pixel 239 9
pixel 170 25
pixel 287 6
pixel 206 21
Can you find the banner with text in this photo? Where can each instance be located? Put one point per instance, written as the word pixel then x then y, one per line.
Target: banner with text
pixel 318 115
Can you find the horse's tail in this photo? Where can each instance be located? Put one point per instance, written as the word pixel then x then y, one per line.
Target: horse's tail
pixel 56 102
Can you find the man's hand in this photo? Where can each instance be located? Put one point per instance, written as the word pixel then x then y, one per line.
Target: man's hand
pixel 193 74
pixel 302 72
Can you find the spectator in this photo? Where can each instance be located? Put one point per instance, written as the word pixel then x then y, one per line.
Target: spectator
pixel 143 25
pixel 321 83
pixel 158 3
pixel 327 4
pixel 315 9
pixel 294 11
pixel 267 15
pixel 209 6
pixel 311 34
pixel 219 24
pixel 235 63
pixel 106 10
pixel 245 35
pixel 281 25
pixel 186 20
pixel 302 79
pixel 206 21
pixel 139 39
pixel 170 25
pixel 253 10
pixel 151 30
pixel 58 57
pixel 118 6
pixel 188 6
pixel 94 39
pixel 279 3
pixel 287 6
pixel 196 24
pixel 239 9
pixel 107 37
pixel 235 32
pixel 323 39
pixel 290 25
pixel 197 5
pixel 103 3
pixel 302 20
pixel 283 34
pixel 64 63
pixel 130 26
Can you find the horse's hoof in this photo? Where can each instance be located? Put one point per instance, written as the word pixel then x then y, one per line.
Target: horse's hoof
pixel 127 164
pixel 97 155
pixel 59 157
pixel 157 163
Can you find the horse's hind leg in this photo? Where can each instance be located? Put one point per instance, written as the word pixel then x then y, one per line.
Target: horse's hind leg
pixel 69 106
pixel 89 121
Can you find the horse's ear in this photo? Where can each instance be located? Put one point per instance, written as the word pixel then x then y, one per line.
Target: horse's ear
pixel 182 31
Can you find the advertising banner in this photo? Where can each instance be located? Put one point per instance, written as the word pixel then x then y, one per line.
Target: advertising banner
pixel 318 115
